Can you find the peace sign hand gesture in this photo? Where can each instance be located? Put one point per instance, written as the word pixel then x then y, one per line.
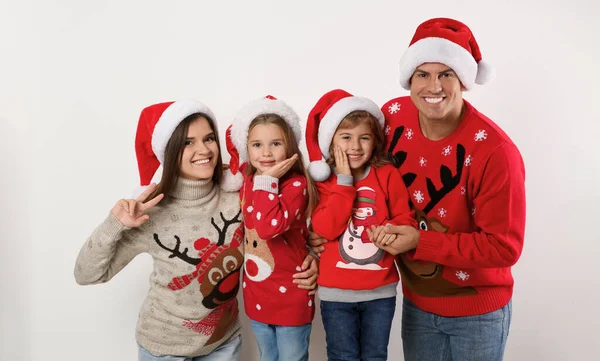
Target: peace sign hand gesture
pixel 132 212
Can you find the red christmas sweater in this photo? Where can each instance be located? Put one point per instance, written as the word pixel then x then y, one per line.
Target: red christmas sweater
pixel 274 249
pixel 350 260
pixel 468 194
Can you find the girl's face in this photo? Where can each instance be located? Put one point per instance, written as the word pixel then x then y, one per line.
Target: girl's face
pixel 266 146
pixel 201 151
pixel 358 143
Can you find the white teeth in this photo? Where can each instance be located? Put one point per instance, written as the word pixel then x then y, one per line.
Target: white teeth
pixel 202 161
pixel 433 100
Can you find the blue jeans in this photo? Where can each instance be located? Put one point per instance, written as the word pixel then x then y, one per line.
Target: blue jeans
pixel 428 337
pixel 285 343
pixel 358 331
pixel 225 352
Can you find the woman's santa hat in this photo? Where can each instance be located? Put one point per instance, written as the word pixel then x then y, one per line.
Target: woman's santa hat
pixel 323 121
pixel 237 134
pixel 449 42
pixel 156 125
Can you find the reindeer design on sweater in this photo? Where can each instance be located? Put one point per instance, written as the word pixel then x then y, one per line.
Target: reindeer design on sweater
pixel 425 278
pixel 217 271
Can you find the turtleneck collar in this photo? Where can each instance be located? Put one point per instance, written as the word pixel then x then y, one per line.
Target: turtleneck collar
pixel 193 193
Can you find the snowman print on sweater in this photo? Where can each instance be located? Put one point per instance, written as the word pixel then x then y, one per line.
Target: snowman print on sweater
pixel 356 249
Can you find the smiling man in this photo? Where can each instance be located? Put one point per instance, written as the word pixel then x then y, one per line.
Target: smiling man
pixel 466 182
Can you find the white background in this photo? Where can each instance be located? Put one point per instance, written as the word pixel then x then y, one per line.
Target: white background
pixel 74 76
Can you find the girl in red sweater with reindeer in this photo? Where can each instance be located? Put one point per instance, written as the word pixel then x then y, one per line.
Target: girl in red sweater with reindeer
pixel 357 280
pixel 275 197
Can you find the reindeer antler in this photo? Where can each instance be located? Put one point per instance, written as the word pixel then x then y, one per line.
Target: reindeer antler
pixel 400 156
pixel 449 182
pixel 175 252
pixel 226 224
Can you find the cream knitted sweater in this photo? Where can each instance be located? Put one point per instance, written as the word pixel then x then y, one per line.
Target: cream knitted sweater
pixel 195 237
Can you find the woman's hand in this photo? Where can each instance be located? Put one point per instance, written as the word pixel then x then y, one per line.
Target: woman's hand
pixel 132 212
pixel 307 280
pixel 316 242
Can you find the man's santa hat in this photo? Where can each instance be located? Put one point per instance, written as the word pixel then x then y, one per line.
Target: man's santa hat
pixel 323 121
pixel 155 127
pixel 449 42
pixel 237 134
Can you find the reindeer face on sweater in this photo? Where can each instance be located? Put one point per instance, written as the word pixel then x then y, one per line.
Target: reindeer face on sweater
pixel 221 281
pixel 259 262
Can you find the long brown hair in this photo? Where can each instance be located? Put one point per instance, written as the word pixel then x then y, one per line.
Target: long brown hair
pixel 174 152
pixel 379 157
pixel 291 148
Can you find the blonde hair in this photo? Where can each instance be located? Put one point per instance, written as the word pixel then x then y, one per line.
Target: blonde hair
pixel 379 156
pixel 291 148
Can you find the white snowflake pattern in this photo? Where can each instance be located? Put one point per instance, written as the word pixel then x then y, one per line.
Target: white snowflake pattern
pixel 462 275
pixel 250 209
pixel 282 289
pixel 468 161
pixel 463 190
pixel 297 184
pixel 480 135
pixel 244 284
pixel 394 108
pixel 298 268
pixel 447 150
pixel 419 197
pixel 271 196
pixel 258 307
pixel 409 133
pixel 285 214
pixel 387 130
pixel 442 212
pixel 309 303
pixel 423 162
pixel 258 215
pixel 273 222
pixel 473 210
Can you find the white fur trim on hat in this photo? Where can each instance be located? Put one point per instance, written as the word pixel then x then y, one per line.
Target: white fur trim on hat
pixel 232 182
pixel 242 120
pixel 438 50
pixel 319 170
pixel 338 111
pixel 170 119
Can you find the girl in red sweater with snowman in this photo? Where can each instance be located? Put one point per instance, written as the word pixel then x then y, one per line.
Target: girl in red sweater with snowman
pixel 359 191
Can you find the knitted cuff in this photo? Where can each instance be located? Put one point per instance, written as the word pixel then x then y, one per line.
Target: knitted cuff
pixel 266 183
pixel 345 179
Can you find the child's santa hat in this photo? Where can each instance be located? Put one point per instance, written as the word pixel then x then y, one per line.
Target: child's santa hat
pixel 323 121
pixel 237 134
pixel 155 127
pixel 449 42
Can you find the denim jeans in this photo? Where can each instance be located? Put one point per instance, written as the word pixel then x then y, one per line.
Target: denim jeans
pixel 285 343
pixel 429 337
pixel 358 331
pixel 226 352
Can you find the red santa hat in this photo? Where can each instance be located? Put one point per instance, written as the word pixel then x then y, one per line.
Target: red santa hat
pixel 237 134
pixel 155 127
pixel 323 121
pixel 449 42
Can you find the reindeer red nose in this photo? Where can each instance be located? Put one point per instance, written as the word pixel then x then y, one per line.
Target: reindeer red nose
pixel 229 283
pixel 251 268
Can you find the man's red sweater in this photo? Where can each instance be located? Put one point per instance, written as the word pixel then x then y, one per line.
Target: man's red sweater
pixel 468 194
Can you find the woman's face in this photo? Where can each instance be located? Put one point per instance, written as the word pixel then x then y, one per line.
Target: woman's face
pixel 201 152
